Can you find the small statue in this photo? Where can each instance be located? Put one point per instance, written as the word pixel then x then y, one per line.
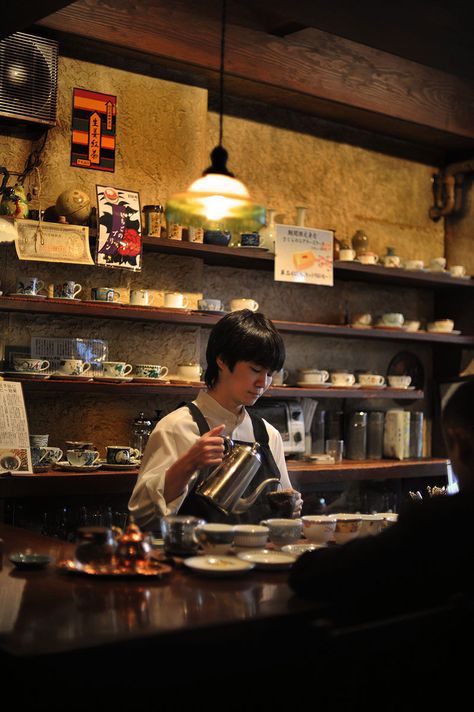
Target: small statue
pixel 15 202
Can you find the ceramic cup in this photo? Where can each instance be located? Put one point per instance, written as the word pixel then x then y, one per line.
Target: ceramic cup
pixel 179 533
pixel 31 286
pixel 175 300
pixel 141 297
pixel 250 239
pixel 210 304
pixel 368 258
pixel 313 375
pixel 283 531
pixel 67 290
pixel 45 455
pixel 362 319
pixel 371 379
pixel 457 270
pixel 437 264
pixel 371 524
pixel 10 461
pixel 189 371
pixel 73 366
pixel 347 255
pixel 116 369
pixel 392 319
pixel 399 381
pixel 150 370
pixel 411 325
pixel 279 377
pixel 341 378
pixel 82 458
pixel 105 294
pixel 39 440
pixel 319 528
pixel 442 325
pixel 215 538
pixel 252 535
pixel 347 528
pixel 391 261
pixel 32 365
pixel 121 454
pixel 238 304
pixel 414 264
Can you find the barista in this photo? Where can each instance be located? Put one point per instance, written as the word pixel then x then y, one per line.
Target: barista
pixel 243 351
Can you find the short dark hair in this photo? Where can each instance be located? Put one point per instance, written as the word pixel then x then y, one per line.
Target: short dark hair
pixel 243 336
pixel 458 411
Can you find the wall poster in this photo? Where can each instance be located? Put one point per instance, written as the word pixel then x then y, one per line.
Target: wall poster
pixel 94 118
pixel 119 237
pixel 304 254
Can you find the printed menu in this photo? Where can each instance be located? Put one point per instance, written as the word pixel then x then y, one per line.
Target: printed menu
pixel 15 455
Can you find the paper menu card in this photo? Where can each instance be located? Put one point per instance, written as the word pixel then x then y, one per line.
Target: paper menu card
pixel 15 455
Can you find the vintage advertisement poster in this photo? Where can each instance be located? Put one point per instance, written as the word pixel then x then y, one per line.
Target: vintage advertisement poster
pixel 119 239
pixel 15 454
pixel 304 254
pixel 94 118
pixel 50 242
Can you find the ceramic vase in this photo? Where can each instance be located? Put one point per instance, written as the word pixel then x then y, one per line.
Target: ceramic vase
pixel 300 216
pixel 267 233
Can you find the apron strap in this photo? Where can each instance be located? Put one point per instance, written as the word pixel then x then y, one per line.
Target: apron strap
pixel 199 419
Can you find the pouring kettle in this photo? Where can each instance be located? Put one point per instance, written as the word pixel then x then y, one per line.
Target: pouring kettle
pixel 226 482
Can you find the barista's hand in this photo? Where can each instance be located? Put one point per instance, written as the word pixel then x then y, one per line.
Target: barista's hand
pixel 208 450
pixel 298 506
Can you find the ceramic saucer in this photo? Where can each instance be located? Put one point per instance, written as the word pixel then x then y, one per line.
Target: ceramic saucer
pixel 253 247
pixel 268 559
pixel 354 385
pixel 360 326
pixel 68 299
pixel 389 328
pixel 306 384
pixel 175 380
pixel 454 332
pixel 114 379
pixel 28 296
pixel 298 549
pixel 218 565
pixel 383 385
pixel 129 466
pixel 148 379
pixel 27 374
pixel 210 311
pixel 30 561
pixel 63 376
pixel 67 467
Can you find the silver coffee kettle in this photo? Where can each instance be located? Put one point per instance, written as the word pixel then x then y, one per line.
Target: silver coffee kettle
pixel 224 485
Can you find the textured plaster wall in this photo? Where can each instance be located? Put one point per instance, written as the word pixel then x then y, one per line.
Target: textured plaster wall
pixel 164 134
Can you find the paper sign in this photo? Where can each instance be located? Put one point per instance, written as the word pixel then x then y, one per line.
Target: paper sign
pixel 93 142
pixel 15 455
pixel 119 242
pixel 52 242
pixel 303 254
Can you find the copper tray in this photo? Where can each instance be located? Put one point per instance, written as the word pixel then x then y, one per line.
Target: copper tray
pixel 146 569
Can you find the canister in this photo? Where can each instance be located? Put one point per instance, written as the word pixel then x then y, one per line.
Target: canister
pixel 153 219
pixel 356 436
pixel 375 435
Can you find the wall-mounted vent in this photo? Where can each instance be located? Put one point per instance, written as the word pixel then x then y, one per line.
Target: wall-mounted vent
pixel 28 78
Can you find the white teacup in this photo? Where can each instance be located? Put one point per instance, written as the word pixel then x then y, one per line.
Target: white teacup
pixel 392 319
pixel 399 381
pixel 116 369
pixel 32 365
pixel 215 538
pixel 175 300
pixel 368 258
pixel 141 297
pixel 347 255
pixel 150 370
pixel 412 325
pixel 313 375
pixel 31 286
pixel 348 527
pixel 391 261
pixel 190 371
pixel 371 379
pixel 364 319
pixel 238 304
pixel 414 264
pixel 341 378
pixel 279 377
pixel 437 264
pixel 457 270
pixel 73 366
pixel 284 531
pixel 209 304
pixel 441 325
pixel 82 458
pixel 319 528
pixel 371 524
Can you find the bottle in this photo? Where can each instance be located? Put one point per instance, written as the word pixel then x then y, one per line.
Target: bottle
pixel 318 439
pixel 142 427
pixel 416 434
pixel 300 216
pixel 360 242
pixel 267 233
pixel 153 219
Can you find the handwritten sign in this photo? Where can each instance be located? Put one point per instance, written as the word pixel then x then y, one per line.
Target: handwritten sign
pixel 304 254
pixel 52 242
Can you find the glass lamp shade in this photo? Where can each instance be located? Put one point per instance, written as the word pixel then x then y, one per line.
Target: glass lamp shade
pixel 216 201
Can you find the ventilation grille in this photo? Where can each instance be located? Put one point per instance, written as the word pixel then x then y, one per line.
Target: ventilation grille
pixel 28 78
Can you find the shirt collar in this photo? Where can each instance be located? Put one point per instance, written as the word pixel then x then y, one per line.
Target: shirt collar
pixel 216 411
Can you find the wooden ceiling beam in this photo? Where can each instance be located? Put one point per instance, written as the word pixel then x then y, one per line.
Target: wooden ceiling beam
pixel 17 16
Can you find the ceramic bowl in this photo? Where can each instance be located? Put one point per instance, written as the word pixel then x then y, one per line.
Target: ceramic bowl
pixel 371 524
pixel 348 527
pixel 319 528
pixel 30 561
pixel 253 535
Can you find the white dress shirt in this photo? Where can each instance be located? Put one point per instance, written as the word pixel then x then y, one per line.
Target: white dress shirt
pixel 171 438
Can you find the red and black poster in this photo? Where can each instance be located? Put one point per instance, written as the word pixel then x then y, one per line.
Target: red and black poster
pixel 93 130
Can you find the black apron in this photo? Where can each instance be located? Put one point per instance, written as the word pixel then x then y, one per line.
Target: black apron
pixel 260 509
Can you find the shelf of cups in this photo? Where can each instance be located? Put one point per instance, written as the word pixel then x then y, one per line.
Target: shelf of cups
pixel 110 310
pixel 304 475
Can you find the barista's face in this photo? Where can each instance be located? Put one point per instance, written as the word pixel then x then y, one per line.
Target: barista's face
pixel 244 385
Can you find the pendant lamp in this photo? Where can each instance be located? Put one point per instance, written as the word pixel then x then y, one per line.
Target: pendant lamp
pixel 217 200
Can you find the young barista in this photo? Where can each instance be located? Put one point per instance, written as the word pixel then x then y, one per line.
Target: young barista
pixel 243 351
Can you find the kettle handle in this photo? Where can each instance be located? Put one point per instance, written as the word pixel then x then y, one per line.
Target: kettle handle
pixel 6 176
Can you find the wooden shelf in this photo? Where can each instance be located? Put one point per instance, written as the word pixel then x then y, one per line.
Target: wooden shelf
pixel 168 389
pixel 106 310
pixel 303 475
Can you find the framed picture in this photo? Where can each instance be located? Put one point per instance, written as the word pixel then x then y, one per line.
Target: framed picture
pixel 119 231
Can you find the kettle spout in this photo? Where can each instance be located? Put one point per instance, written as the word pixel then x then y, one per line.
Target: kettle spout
pixel 244 503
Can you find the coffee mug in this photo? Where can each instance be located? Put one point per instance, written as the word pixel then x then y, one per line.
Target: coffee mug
pixel 342 379
pixel 73 366
pixel 313 375
pixel 368 258
pixel 457 270
pixel 210 304
pixel 82 458
pixel 238 304
pixel 121 454
pixel 105 294
pixel 175 300
pixel 189 371
pixel 67 290
pixel 371 379
pixel 141 297
pixel 116 369
pixel 392 319
pixel 45 455
pixel 150 370
pixel 399 381
pixel 249 239
pixel 31 365
pixel 30 286
pixel 279 377
pixel 347 254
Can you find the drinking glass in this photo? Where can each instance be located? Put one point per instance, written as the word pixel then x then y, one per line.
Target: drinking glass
pixel 335 448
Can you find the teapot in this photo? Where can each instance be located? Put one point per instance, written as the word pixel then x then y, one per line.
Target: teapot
pixel 226 482
pixel 14 201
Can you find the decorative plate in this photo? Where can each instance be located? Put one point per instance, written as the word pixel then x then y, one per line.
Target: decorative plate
pixel 30 561
pixel 406 363
pixel 268 559
pixel 146 569
pixel 218 565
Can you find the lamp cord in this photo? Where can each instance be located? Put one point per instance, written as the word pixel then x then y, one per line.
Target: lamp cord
pixel 221 83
